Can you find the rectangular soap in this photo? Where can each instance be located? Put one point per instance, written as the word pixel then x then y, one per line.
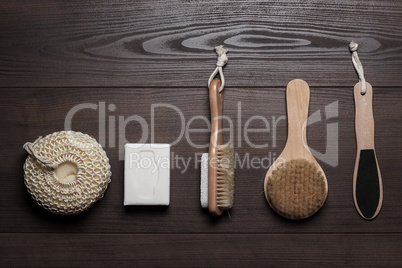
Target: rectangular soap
pixel 147 174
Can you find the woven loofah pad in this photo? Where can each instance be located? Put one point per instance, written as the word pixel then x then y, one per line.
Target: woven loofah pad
pixel 297 190
pixel 81 178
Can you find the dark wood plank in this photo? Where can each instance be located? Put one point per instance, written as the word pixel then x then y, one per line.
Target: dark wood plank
pixel 196 250
pixel 52 43
pixel 27 113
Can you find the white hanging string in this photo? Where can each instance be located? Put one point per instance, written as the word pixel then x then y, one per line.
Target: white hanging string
pixel 358 65
pixel 222 60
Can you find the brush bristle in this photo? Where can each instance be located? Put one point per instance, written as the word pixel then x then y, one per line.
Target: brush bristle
pixel 225 178
pixel 297 189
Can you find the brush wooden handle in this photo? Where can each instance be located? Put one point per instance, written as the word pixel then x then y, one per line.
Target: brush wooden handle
pixel 297 99
pixel 367 181
pixel 216 106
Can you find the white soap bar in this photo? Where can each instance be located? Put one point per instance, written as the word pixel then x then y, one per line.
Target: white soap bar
pixel 147 174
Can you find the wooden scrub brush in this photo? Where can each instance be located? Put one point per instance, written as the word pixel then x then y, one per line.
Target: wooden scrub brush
pixel 295 186
pixel 217 171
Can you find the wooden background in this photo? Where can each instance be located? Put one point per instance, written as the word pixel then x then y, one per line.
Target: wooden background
pixel 58 54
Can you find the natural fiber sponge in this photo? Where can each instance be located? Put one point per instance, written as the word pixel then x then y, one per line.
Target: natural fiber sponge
pixel 78 177
pixel 297 189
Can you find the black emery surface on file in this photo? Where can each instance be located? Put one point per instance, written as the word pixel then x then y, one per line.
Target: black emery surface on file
pixel 367 184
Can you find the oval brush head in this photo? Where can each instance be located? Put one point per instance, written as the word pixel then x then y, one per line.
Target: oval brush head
pixel 296 189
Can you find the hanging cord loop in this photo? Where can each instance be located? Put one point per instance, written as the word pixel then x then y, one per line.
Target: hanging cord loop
pixel 358 65
pixel 29 147
pixel 222 60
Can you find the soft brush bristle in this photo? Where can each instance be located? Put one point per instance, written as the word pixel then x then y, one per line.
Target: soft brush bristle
pixel 297 189
pixel 225 178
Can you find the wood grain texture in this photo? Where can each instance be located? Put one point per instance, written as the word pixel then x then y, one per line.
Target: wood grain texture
pixel 29 113
pixel 51 43
pixel 191 250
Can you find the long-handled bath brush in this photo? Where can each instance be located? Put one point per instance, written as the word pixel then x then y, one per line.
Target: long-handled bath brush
pixel 295 186
pixel 367 181
pixel 217 171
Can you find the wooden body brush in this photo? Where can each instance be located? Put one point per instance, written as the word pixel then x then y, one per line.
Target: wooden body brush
pixel 220 160
pixel 295 186
pixel 367 182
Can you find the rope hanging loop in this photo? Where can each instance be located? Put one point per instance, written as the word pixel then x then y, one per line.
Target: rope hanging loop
pixel 358 65
pixel 222 60
pixel 29 148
